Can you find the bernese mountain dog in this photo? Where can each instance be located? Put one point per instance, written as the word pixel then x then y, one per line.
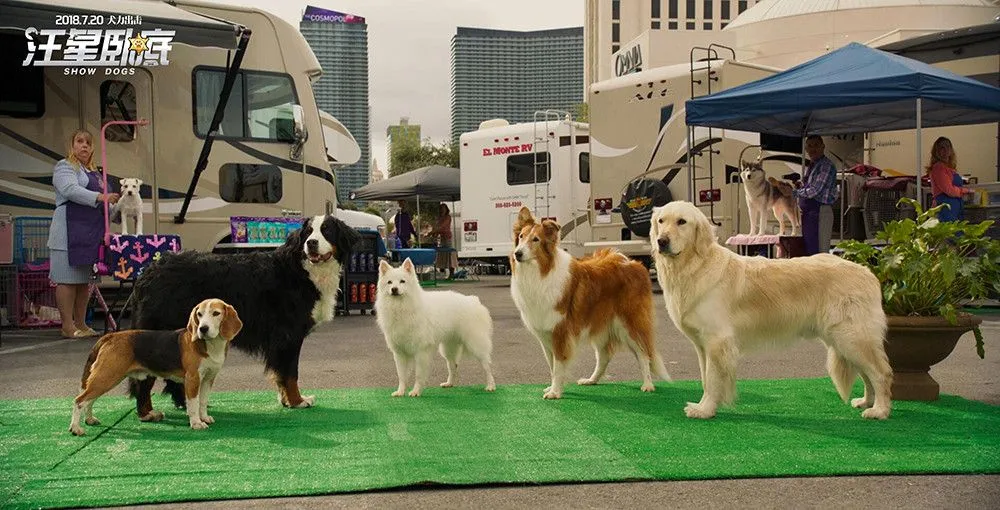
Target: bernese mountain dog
pixel 281 295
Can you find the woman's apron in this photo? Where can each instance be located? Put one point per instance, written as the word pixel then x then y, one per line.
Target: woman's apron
pixel 955 211
pixel 85 227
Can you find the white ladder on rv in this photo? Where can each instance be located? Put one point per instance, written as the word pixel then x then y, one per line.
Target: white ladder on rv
pixel 544 126
pixel 707 173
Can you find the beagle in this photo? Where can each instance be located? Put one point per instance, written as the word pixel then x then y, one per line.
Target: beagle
pixel 193 355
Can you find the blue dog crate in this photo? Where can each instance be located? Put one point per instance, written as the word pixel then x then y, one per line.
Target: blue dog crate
pixel 31 237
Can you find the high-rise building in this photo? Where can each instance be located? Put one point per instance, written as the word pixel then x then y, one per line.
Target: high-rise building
pixel 340 42
pixel 510 75
pixel 625 36
pixel 400 134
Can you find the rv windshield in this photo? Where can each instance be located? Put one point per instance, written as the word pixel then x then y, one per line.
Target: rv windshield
pixel 259 107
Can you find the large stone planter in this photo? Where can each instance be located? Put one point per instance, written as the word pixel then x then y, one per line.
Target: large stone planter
pixel 914 344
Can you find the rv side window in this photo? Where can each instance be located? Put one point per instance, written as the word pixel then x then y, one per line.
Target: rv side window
pixel 259 107
pixel 250 183
pixel 207 89
pixel 584 167
pixel 22 93
pixel 118 103
pixel 519 168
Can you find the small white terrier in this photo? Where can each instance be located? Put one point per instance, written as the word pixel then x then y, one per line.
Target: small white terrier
pixel 130 205
pixel 415 321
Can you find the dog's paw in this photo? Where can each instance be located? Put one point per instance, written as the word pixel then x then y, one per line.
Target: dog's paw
pixel 875 413
pixel 698 411
pixel 152 416
pixel 491 387
pixel 77 431
pixel 306 402
pixel 92 421
pixel 552 395
pixel 398 393
pixel 207 419
pixel 861 403
pixel 586 381
pixel 414 393
pixel 198 425
pixel 647 387
pixel 447 384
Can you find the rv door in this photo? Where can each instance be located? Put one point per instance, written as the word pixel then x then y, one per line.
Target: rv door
pixel 129 148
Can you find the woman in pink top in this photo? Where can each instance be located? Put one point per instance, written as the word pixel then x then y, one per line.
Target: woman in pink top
pixel 946 184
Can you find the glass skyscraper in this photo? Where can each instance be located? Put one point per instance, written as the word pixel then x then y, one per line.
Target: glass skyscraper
pixel 340 42
pixel 510 75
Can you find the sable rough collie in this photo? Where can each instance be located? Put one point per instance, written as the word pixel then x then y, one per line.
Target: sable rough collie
pixel 415 322
pixel 726 303
pixel 605 298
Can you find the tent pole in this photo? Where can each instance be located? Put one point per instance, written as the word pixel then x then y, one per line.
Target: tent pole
pixel 920 199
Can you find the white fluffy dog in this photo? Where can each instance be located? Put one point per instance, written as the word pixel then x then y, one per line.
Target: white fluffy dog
pixel 415 322
pixel 726 303
pixel 130 205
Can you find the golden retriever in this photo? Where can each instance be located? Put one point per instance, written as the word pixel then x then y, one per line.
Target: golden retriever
pixel 726 303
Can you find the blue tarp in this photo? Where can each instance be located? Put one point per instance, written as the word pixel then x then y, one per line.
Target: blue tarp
pixel 854 89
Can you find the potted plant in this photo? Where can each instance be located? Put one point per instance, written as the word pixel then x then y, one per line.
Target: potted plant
pixel 928 269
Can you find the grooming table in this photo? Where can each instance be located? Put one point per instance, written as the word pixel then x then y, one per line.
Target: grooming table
pixel 772 246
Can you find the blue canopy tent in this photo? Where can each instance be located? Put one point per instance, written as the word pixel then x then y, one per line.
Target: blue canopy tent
pixel 854 89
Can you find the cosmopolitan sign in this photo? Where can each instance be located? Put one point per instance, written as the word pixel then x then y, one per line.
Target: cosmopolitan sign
pixel 320 15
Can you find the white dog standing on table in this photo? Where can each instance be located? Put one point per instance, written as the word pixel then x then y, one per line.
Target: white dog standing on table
pixel 725 303
pixel 768 194
pixel 130 205
pixel 415 322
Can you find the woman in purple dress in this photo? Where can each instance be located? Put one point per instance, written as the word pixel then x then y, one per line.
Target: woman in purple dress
pixel 76 232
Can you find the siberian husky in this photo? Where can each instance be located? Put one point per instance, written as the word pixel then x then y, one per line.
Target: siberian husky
pixel 767 193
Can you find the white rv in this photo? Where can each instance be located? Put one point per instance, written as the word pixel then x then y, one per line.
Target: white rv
pixel 542 165
pixel 266 157
pixel 638 136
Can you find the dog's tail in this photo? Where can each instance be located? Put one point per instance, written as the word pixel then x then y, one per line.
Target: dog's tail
pixel 842 372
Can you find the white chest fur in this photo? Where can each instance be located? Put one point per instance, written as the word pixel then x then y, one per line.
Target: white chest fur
pixel 536 296
pixel 326 278
pixel 216 357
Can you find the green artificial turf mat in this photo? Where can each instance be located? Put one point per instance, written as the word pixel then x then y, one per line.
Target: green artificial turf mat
pixel 362 439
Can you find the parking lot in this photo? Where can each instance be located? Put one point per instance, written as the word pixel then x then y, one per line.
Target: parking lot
pixel 350 352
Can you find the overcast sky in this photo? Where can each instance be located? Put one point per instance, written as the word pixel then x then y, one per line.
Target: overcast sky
pixel 409 50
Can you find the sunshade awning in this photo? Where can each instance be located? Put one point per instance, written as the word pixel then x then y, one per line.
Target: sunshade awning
pixel 191 29
pixel 854 89
pixel 435 183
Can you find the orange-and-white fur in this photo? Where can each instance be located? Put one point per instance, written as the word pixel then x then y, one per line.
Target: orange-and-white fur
pixel 193 355
pixel 605 299
pixel 767 193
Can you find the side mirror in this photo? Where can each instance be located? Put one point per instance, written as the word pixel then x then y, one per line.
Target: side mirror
pixel 301 133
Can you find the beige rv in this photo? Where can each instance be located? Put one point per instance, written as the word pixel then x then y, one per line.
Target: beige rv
pixel 270 157
pixel 637 130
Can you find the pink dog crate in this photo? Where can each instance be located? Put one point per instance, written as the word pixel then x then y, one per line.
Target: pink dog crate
pixel 35 298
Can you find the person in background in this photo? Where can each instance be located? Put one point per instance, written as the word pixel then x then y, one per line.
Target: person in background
pixel 816 195
pixel 403 225
pixel 447 259
pixel 946 183
pixel 76 233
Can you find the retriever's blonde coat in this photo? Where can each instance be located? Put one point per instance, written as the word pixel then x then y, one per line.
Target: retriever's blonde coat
pixel 726 303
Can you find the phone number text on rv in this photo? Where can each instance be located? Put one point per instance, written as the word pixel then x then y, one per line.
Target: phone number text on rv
pixel 507 149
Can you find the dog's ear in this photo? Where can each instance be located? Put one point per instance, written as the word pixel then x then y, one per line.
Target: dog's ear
pixel 383 266
pixel 138 183
pixel 346 238
pixel 524 216
pixel 408 266
pixel 231 323
pixel 192 325
pixel 704 235
pixel 551 230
